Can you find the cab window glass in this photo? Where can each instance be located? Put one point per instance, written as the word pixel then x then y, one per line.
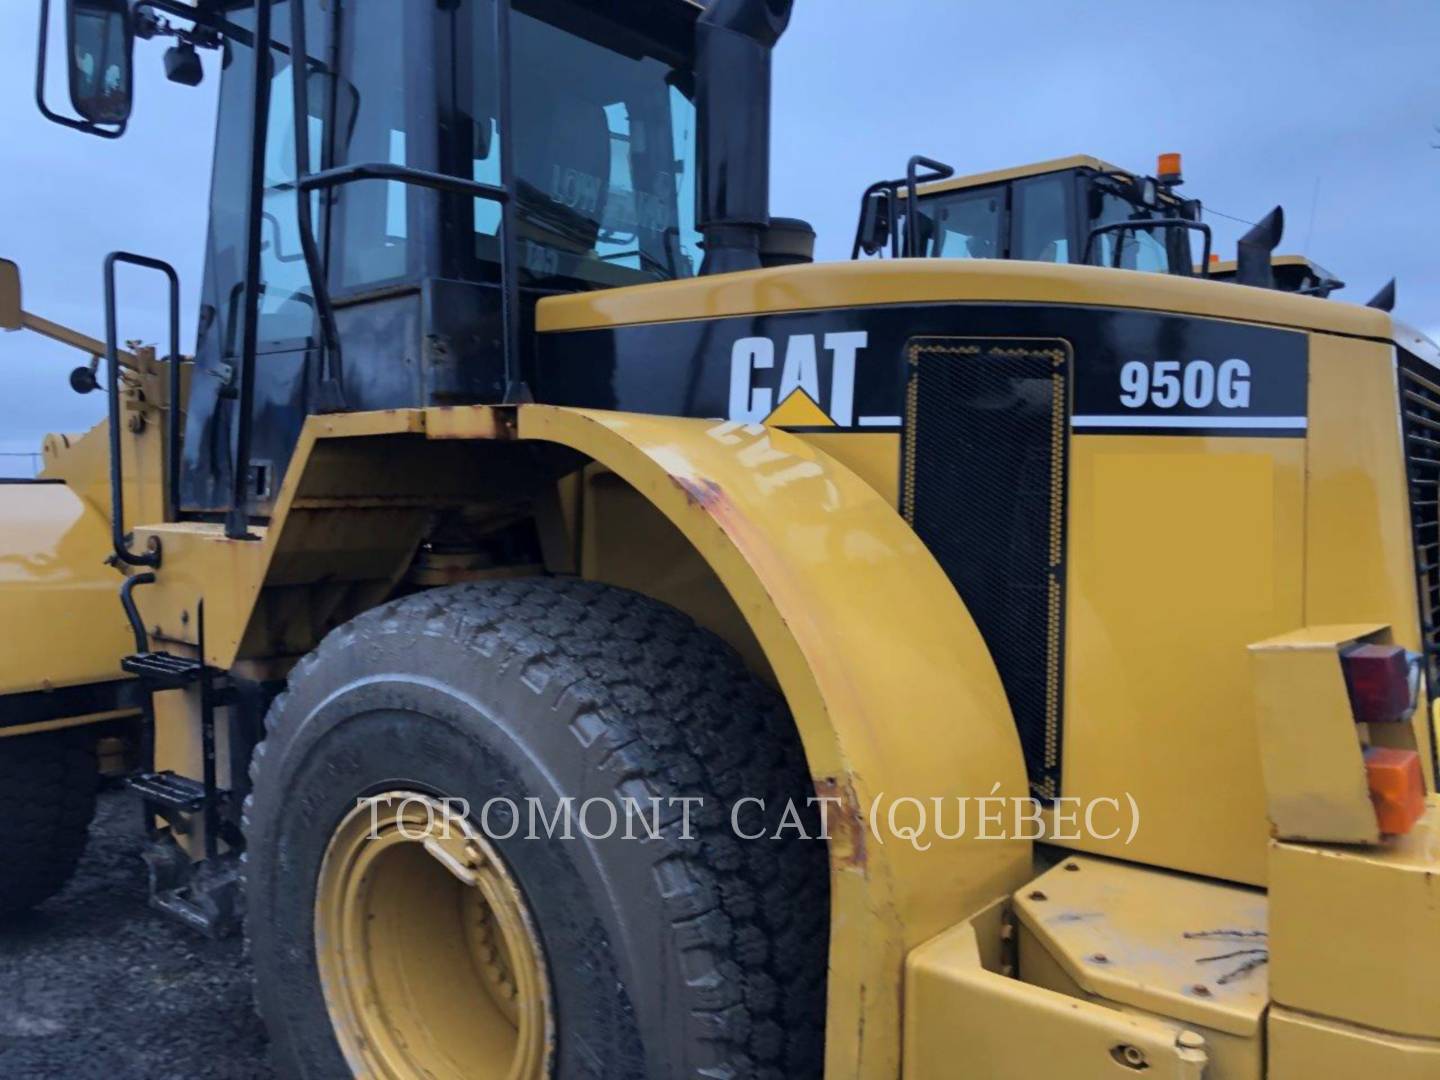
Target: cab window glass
pixel 287 305
pixel 1140 248
pixel 286 302
pixel 965 225
pixel 604 147
pixel 1042 219
pixel 374 218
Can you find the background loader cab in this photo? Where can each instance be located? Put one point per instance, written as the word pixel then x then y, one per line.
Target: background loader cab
pixel 1293 273
pixel 1077 209
pixel 1069 210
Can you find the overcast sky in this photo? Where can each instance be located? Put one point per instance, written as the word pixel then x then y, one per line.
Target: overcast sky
pixel 1328 107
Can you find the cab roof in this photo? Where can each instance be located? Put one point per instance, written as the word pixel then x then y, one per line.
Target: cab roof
pixel 1227 266
pixel 1018 172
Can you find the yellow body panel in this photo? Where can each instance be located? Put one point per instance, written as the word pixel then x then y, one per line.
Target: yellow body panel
pixel 1182 551
pixel 966 1018
pixel 360 541
pixel 1354 933
pixel 835 588
pixel 83 462
pixel 875 458
pixel 1359 565
pixel 626 541
pixel 918 281
pixel 58 599
pixel 55 539
pixel 1126 935
pixel 1359 552
pixel 1138 940
pixel 1307 1047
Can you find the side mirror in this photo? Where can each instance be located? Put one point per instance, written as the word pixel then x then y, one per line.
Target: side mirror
pixel 101 43
pixel 874 223
pixel 11 315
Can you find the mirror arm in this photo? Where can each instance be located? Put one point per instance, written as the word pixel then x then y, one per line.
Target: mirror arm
pixel 76 340
pixel 183 11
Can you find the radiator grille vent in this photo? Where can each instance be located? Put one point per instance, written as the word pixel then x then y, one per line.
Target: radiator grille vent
pixel 1420 422
pixel 984 488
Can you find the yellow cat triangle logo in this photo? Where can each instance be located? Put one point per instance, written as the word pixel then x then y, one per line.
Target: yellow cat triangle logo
pixel 799 410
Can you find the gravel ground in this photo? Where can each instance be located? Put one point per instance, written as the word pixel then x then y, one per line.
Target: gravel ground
pixel 95 984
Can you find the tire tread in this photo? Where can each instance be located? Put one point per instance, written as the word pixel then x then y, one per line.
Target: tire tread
pixel 48 783
pixel 675 710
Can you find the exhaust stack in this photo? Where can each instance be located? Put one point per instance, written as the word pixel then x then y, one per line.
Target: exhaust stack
pixel 734 40
pixel 1252 254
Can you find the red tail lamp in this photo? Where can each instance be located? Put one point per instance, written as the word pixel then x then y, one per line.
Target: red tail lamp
pixel 1378 678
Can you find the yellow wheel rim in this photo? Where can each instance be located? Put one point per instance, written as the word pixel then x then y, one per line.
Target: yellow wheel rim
pixel 428 956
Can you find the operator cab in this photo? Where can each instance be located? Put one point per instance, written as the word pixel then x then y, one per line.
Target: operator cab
pixel 604 183
pixel 1070 210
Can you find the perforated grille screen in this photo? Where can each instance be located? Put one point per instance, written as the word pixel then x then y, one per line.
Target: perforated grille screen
pixel 1420 418
pixel 984 488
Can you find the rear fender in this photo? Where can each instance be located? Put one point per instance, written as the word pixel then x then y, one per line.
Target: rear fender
pixel 891 686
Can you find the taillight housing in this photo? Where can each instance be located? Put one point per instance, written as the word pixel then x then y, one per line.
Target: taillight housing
pixel 1383 682
pixel 1378 679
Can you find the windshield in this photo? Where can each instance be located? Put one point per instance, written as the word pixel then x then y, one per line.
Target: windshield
pixel 1154 249
pixel 1140 248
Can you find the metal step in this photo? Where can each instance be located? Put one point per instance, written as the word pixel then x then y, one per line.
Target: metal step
pixel 205 896
pixel 169 791
pixel 164 670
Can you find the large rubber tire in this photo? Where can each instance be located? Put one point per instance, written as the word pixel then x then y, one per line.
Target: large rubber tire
pixel 47 798
pixel 666 959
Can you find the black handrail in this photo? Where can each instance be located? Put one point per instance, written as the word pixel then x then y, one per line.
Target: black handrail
pixel 151 557
pixel 891 190
pixel 380 170
pixel 332 387
pixel 938 171
pixel 1147 223
pixel 78 124
pixel 515 390
pixel 211 807
pixel 132 614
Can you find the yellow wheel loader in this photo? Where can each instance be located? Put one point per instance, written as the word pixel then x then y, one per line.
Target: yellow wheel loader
pixel 576 635
pixel 1076 209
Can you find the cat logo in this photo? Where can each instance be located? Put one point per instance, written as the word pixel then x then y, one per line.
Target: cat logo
pixel 800 397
